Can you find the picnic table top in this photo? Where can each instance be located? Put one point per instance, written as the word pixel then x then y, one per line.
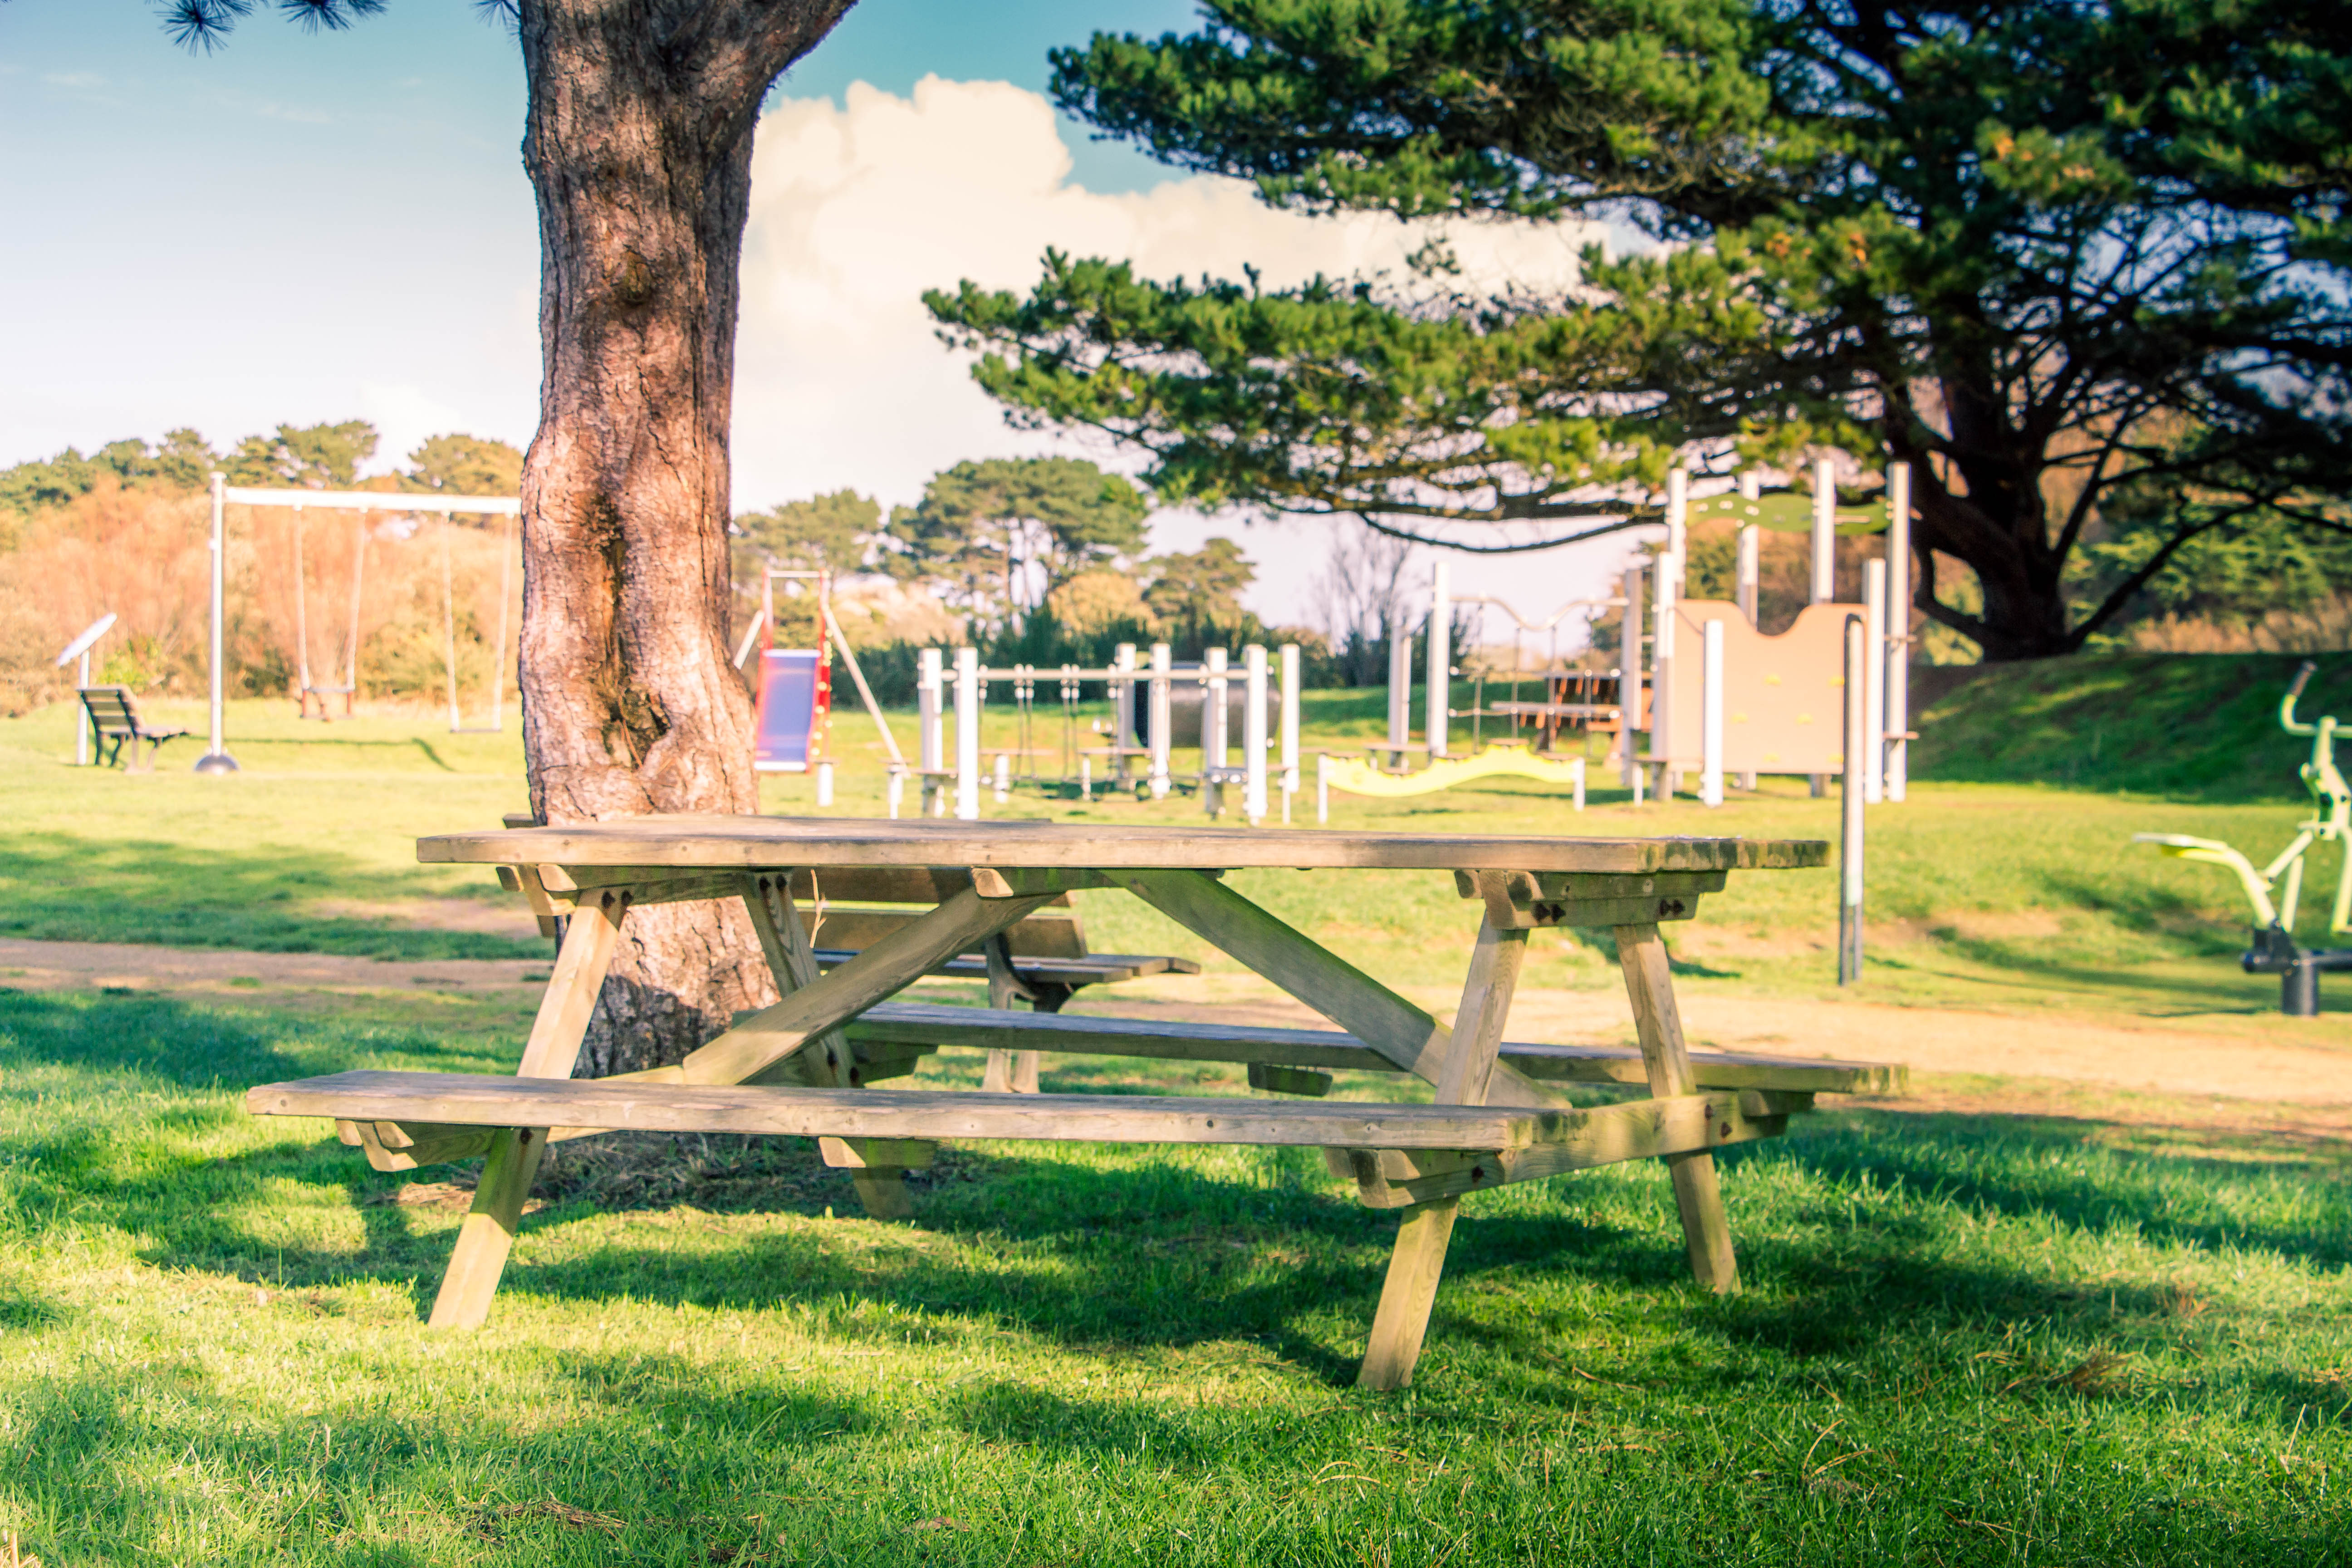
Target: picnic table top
pixel 723 841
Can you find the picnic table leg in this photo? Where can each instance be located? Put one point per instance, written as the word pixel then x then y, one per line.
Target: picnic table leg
pixel 1706 1235
pixel 1009 1072
pixel 881 1188
pixel 1321 978
pixel 488 1236
pixel 1419 1261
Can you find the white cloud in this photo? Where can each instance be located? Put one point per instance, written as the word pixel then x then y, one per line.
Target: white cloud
pixel 840 379
pixel 404 415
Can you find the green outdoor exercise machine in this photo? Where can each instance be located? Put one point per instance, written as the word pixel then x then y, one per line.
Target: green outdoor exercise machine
pixel 2275 951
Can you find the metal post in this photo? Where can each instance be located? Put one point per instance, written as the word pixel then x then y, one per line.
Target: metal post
pixel 930 748
pixel 1288 654
pixel 967 701
pixel 1400 686
pixel 1710 724
pixel 1004 777
pixel 1631 719
pixel 1855 740
pixel 216 759
pixel 1898 628
pixel 1824 533
pixel 82 720
pixel 1679 521
pixel 894 791
pixel 1744 581
pixel 824 783
pixel 1216 751
pixel 1873 682
pixel 1440 696
pixel 1254 733
pixel 1661 677
pixel 1162 721
pixel 1122 723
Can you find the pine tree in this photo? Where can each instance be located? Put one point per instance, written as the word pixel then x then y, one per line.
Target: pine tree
pixel 2036 248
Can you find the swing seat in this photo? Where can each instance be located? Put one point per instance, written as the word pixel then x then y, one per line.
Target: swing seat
pixel 304 695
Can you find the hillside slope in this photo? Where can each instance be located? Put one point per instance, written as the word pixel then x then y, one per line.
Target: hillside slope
pixel 2199 726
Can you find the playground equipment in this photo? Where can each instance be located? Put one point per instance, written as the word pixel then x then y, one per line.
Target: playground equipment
pixel 80 649
pixel 793 691
pixel 2274 949
pixel 458 725
pixel 1754 704
pixel 1144 727
pixel 306 689
pixel 309 690
pixel 216 759
pixel 1570 696
pixel 1362 776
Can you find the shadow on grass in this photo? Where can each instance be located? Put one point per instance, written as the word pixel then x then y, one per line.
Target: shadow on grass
pixel 62 887
pixel 1088 1249
pixel 358 1447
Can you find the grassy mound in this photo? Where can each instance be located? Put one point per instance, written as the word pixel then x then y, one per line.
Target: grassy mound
pixel 2183 725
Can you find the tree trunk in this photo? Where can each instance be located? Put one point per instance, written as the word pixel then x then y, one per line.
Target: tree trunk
pixel 1994 523
pixel 638 144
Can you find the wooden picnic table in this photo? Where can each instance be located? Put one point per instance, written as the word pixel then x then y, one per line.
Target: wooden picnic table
pixel 801 1065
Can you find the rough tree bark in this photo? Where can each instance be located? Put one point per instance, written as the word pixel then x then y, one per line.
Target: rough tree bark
pixel 638 144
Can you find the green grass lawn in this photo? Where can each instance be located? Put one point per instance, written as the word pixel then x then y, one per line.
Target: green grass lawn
pixel 1965 1339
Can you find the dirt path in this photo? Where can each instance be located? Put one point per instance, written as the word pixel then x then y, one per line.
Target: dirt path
pixel 219 971
pixel 2298 1064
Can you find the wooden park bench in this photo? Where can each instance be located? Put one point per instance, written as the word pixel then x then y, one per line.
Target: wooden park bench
pixel 804 1066
pixel 114 719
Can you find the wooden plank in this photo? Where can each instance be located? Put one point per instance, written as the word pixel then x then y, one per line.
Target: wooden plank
pixel 865 1154
pixel 1522 888
pixel 1049 933
pixel 1348 996
pixel 1415 1267
pixel 649 885
pixel 1274 1079
pixel 487 1237
pixel 1014 884
pixel 637 1103
pixel 821 843
pixel 1087 1034
pixel 1493 979
pixel 828 1060
pixel 1008 1072
pixel 1698 1196
pixel 773 1034
pixel 1095 968
pixel 1638 1129
pixel 1407 1293
pixel 409 1146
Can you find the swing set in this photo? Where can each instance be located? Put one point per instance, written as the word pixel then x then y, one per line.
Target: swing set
pixel 309 692
pixel 794 690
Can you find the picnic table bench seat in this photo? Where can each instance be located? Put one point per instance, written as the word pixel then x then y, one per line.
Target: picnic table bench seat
pixel 805 1065
pixel 1490 1145
pixel 115 721
pixel 890 1040
pixel 915 1025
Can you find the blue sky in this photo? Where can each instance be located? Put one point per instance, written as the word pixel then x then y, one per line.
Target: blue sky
pixel 202 225
pixel 308 228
